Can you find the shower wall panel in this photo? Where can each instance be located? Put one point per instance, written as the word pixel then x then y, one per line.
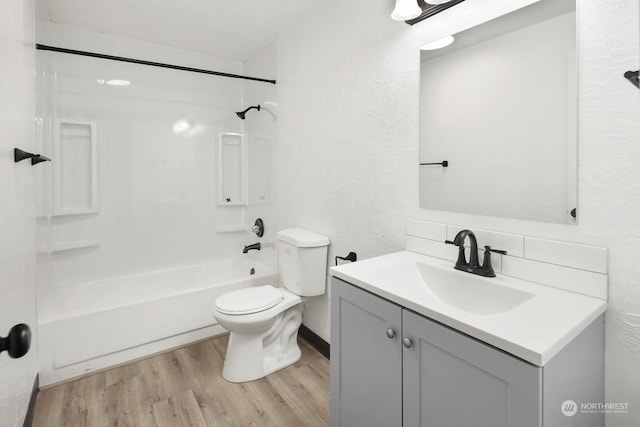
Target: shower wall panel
pixel 157 133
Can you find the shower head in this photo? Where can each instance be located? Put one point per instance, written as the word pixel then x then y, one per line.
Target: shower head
pixel 242 114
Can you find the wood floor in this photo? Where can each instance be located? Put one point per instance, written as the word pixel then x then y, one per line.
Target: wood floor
pixel 184 388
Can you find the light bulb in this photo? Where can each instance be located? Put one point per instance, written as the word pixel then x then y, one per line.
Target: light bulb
pixel 405 10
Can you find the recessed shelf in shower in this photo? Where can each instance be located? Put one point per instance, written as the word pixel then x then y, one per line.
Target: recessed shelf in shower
pixel 259 154
pixel 75 183
pixel 232 169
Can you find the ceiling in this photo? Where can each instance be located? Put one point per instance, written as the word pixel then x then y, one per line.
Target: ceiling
pixel 230 29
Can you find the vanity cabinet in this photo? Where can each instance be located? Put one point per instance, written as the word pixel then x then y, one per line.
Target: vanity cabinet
pixel 391 367
pixel 366 359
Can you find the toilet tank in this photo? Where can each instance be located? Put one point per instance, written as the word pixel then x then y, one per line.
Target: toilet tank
pixel 302 261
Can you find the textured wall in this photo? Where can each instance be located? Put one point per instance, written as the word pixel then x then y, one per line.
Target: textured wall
pixel 347 152
pixel 347 133
pixel 609 180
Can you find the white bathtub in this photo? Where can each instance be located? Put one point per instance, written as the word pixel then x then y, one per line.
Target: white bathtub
pixel 99 324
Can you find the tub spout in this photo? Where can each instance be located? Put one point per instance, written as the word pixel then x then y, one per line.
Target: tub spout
pixel 255 246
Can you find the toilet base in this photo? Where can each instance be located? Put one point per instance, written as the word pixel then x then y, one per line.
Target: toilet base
pixel 253 356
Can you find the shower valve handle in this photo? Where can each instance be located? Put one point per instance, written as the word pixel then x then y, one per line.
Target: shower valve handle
pixel 258 227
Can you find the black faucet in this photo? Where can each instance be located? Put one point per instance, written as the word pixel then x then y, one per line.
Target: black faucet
pixel 248 248
pixel 473 266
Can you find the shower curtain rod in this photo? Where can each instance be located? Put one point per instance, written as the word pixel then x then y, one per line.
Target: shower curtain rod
pixel 150 63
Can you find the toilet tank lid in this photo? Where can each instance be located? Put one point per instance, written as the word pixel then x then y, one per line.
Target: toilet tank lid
pixel 302 238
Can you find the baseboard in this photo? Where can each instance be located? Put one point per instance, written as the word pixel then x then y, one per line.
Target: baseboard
pixel 31 409
pixel 316 342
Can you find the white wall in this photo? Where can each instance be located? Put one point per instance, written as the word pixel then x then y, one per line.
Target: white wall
pixel 261 128
pixel 17 203
pixel 347 154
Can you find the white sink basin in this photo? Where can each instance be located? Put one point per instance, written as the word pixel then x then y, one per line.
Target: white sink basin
pixel 468 292
pixel 526 319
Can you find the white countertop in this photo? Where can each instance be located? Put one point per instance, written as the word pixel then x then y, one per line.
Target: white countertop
pixel 534 331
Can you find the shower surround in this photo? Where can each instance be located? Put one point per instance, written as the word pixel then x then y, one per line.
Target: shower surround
pixel 133 191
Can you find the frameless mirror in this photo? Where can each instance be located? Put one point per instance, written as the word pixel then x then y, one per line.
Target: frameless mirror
pixel 499 106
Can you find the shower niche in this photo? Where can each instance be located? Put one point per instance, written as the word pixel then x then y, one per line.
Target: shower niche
pixel 260 170
pixel 75 186
pixel 74 189
pixel 232 169
pixel 244 177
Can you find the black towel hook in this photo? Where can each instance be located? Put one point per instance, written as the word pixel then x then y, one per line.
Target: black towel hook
pixel 19 155
pixel 444 164
pixel 351 256
pixel 633 77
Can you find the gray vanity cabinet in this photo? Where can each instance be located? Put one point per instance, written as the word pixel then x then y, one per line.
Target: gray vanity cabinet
pixel 451 380
pixel 391 367
pixel 366 359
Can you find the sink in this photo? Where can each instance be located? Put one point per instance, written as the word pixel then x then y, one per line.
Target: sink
pixel 529 320
pixel 468 292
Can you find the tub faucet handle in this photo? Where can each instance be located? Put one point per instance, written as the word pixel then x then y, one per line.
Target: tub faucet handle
pixel 258 227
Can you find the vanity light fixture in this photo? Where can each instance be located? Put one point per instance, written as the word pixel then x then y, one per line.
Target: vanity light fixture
pixel 405 10
pixel 438 44
pixel 431 8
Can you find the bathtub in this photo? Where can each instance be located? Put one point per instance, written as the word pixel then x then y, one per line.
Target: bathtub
pixel 95 325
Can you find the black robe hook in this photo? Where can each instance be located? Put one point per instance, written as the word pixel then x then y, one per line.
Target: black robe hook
pixel 633 77
pixel 19 155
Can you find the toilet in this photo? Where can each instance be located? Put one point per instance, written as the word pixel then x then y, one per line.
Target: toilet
pixel 264 320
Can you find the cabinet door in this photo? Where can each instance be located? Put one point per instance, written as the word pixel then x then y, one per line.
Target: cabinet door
pixel 366 363
pixel 452 380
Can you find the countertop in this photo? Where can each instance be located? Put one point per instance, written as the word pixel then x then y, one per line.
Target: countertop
pixel 534 331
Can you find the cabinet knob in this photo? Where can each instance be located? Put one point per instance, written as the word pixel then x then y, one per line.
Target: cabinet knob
pixel 407 342
pixel 391 333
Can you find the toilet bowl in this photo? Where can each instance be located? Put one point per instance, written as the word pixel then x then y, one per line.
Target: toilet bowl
pixel 263 321
pixel 263 341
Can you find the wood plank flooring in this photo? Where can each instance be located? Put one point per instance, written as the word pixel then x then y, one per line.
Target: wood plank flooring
pixel 184 387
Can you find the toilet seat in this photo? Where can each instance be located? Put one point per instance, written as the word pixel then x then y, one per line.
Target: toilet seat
pixel 249 300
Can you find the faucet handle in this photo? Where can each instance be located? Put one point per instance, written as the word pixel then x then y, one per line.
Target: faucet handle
pixel 497 251
pixel 487 268
pixel 258 227
pixel 462 260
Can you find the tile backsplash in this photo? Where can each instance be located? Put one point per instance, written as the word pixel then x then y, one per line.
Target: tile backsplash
pixel 571 266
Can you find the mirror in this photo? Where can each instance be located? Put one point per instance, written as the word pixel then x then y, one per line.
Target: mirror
pixel 500 106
